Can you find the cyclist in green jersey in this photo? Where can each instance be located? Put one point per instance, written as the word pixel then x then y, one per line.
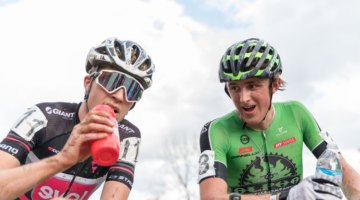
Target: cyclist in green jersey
pixel 256 150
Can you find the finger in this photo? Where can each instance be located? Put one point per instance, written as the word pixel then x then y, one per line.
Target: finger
pixel 327 189
pixel 327 179
pixel 101 113
pixel 100 119
pixel 93 136
pixel 96 128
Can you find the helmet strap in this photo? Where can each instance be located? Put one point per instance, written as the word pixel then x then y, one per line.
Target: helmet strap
pixel 227 91
pixel 271 80
pixel 133 106
pixel 87 92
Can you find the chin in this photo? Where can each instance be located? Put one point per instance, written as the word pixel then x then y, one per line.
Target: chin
pixel 252 121
pixel 119 117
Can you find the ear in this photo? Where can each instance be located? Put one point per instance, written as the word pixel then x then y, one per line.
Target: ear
pixel 227 90
pixel 276 84
pixel 87 82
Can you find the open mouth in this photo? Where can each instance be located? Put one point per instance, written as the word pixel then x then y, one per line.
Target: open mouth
pixel 249 108
pixel 116 110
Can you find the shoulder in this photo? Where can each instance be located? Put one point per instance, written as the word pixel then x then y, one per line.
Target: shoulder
pixel 224 122
pixel 290 105
pixel 218 129
pixel 294 110
pixel 38 116
pixel 128 129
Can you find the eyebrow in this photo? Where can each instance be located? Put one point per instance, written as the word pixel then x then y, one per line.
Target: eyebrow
pixel 254 81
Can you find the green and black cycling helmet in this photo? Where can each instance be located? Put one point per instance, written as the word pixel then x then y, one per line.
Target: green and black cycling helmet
pixel 249 58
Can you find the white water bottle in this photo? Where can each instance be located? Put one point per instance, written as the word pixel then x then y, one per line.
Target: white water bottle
pixel 329 161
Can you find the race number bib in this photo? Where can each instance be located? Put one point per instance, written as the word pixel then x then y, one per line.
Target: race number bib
pixel 29 123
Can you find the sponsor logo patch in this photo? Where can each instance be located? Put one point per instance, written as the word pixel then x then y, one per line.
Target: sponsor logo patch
pixel 55 111
pixel 245 149
pixel 281 131
pixel 52 149
pixel 121 178
pixel 9 149
pixel 255 177
pixel 244 139
pixel 54 187
pixel 284 143
pixel 126 128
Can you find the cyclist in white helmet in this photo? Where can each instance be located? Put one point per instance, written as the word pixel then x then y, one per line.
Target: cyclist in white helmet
pixel 255 151
pixel 46 154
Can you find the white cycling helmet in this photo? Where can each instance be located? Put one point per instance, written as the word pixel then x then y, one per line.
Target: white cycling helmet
pixel 126 56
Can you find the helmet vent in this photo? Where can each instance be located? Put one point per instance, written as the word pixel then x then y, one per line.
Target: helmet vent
pixel 262 49
pixel 145 65
pixel 134 54
pixel 250 49
pixel 119 51
pixel 265 63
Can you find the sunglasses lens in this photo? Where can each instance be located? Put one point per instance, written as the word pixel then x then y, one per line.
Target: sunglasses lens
pixel 113 80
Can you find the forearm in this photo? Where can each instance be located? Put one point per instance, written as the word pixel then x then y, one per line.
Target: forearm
pixel 115 190
pixel 16 181
pixel 255 197
pixel 351 181
pixel 216 189
pixel 243 197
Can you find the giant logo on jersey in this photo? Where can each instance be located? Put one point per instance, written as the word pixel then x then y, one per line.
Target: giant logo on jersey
pixel 126 129
pixel 63 114
pixel 274 172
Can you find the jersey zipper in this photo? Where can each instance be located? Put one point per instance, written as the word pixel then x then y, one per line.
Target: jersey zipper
pixel 266 159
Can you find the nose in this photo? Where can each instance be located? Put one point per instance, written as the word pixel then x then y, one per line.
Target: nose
pixel 244 95
pixel 119 95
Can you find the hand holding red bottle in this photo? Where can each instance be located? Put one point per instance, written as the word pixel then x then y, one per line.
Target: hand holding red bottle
pixel 106 151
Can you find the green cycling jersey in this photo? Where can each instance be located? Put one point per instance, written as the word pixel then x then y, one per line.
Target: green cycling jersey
pixel 259 161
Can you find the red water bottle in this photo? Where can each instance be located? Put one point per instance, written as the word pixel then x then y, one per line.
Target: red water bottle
pixel 105 152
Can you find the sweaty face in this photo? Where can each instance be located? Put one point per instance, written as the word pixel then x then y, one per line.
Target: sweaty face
pixel 251 98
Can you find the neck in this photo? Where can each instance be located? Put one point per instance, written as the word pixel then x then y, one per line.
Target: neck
pixel 82 110
pixel 265 123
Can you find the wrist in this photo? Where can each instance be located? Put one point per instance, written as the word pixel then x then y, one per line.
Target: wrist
pixel 62 161
pixel 283 195
pixel 274 197
pixel 234 196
